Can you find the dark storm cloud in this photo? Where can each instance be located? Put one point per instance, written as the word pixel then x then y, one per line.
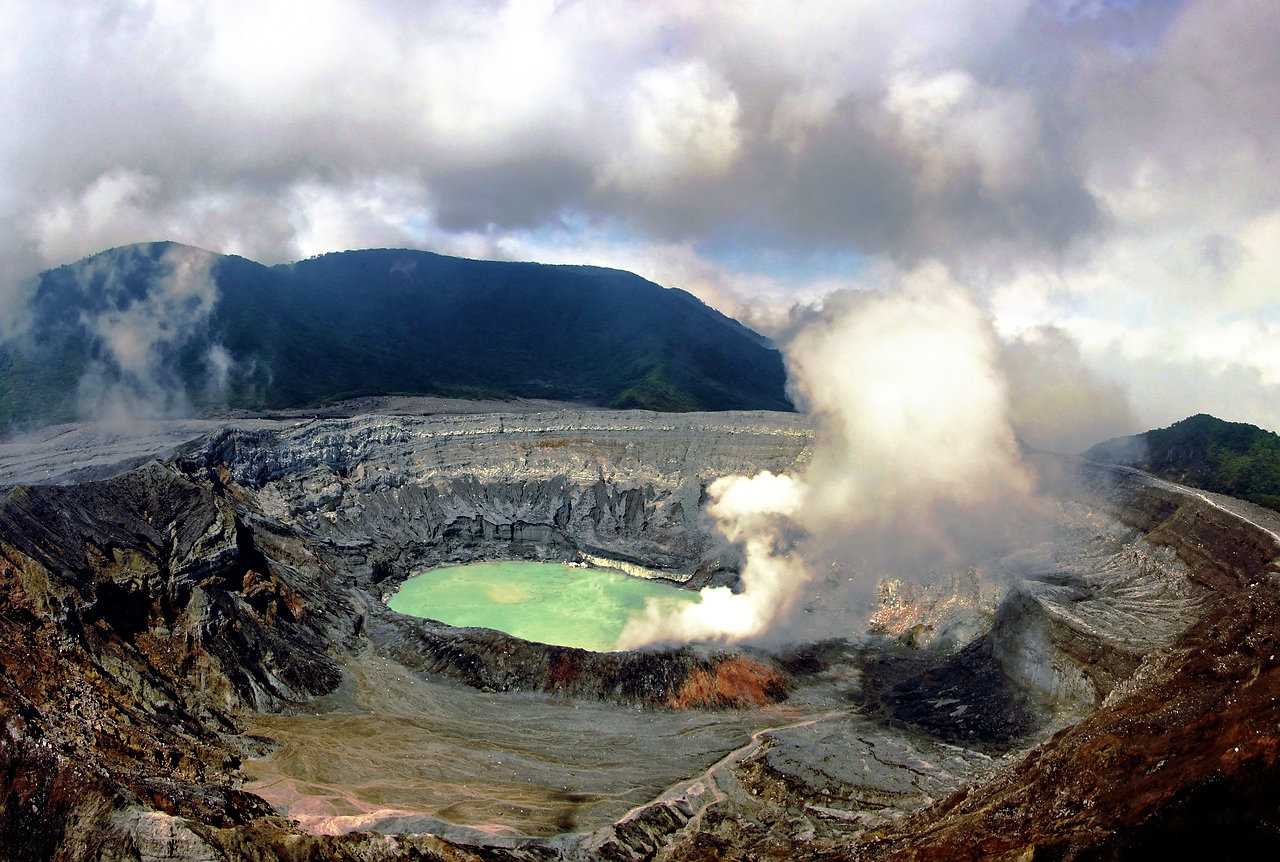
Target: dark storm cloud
pixel 526 193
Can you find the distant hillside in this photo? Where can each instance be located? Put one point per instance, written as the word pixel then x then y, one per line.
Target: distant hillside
pixel 1205 452
pixel 140 323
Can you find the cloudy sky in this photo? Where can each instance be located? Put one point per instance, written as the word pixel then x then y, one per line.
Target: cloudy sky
pixel 1103 167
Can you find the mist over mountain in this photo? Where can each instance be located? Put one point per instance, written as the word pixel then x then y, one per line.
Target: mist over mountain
pixel 161 329
pixel 1207 452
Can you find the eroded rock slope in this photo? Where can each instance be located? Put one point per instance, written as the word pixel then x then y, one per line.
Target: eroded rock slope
pixel 144 616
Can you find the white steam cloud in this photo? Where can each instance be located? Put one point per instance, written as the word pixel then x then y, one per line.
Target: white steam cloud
pixel 1059 403
pixel 747 509
pixel 916 463
pixel 137 337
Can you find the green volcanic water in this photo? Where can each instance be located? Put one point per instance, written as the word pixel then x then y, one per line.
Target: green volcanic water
pixel 544 602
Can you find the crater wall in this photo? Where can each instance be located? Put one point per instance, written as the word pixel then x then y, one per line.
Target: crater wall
pixel 143 615
pixel 393 494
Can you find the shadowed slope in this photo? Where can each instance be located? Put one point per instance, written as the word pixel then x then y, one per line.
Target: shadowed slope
pixel 374 322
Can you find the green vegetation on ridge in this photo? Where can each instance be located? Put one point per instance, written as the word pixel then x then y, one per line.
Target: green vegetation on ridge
pixel 378 322
pixel 1206 452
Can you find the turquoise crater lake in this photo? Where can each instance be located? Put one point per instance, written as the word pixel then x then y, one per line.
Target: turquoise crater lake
pixel 545 602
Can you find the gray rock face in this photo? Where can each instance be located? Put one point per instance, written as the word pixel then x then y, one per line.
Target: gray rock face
pixel 407 492
pixel 1089 607
pixel 854 766
pixel 159 837
pixel 69 453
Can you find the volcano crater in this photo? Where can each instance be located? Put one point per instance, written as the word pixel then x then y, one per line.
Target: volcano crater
pixel 200 644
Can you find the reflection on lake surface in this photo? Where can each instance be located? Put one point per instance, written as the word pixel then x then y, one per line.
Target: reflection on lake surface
pixel 543 602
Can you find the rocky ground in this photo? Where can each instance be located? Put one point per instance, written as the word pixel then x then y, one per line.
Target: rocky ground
pixel 59 454
pixel 1117 692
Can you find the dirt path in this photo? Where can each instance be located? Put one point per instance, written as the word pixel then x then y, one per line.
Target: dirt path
pixel 1235 514
pixel 1192 492
pixel 707 782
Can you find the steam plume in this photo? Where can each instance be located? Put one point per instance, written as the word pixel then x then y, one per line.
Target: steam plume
pixel 916 461
pixel 137 337
pixel 1059 403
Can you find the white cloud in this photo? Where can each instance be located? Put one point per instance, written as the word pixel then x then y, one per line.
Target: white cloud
pixel 681 125
pixel 1106 172
pixel 915 459
pixel 105 213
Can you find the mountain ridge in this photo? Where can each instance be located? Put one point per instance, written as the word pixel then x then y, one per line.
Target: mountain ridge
pixel 370 322
pixel 1204 451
